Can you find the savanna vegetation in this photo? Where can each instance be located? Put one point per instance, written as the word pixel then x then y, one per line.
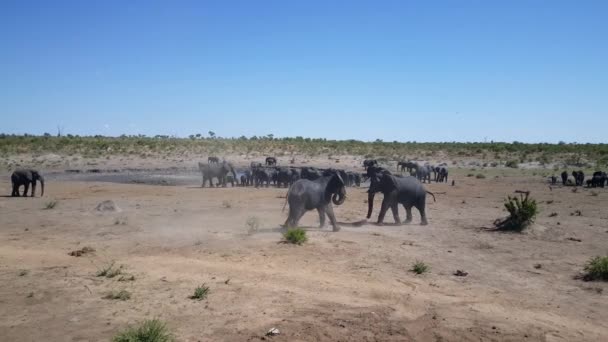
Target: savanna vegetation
pixel 99 146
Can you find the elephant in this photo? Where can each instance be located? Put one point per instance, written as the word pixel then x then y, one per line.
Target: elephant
pixel 219 171
pixel 270 161
pixel 354 178
pixel 294 175
pixel 26 177
pixel 598 179
pixel 579 177
pixel 243 180
pixel 213 160
pixel 564 178
pixel 254 165
pixel 311 173
pixel 248 178
pixel 406 165
pixel 369 162
pixel 305 195
pixel 283 177
pixel 342 174
pixel 441 174
pixel 261 175
pixel 407 191
pixel 423 173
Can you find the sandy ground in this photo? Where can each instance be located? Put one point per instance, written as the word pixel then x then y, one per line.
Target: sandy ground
pixel 353 285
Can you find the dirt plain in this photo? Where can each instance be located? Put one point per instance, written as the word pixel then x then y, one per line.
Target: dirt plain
pixel 352 285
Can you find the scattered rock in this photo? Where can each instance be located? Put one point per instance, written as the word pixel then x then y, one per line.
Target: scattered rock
pixel 273 332
pixel 107 206
pixel 574 239
pixel 460 273
pixel 80 252
pixel 538 266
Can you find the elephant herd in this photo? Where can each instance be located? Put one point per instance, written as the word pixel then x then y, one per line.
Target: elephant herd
pixel 598 179
pixel 260 175
pixel 425 172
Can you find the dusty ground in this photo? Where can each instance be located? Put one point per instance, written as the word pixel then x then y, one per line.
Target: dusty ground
pixel 354 285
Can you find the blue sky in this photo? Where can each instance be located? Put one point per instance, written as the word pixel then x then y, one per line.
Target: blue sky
pixel 533 71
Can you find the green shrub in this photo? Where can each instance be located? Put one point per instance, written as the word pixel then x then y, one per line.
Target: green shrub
pixel 200 293
pixel 480 176
pixel 295 236
pixel 420 267
pixel 470 175
pixel 522 212
pixel 149 331
pixel 109 271
pixel 596 269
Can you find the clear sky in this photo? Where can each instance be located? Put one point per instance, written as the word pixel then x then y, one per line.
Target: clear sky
pixel 532 71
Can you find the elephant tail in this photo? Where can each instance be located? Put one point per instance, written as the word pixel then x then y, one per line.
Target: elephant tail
pixel 286 197
pixel 432 194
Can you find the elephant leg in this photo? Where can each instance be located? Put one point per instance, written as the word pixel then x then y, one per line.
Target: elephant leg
pixel 15 192
pixel 383 210
pixel 395 210
pixel 321 211
pixel 33 188
pixel 423 221
pixel 332 218
pixel 27 187
pixel 408 214
pixel 295 216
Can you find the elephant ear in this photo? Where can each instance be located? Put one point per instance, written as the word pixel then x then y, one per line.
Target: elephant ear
pixel 388 181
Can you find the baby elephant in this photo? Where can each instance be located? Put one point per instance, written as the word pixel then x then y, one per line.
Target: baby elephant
pixel 26 177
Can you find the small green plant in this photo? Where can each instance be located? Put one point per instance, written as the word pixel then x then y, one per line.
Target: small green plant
pixel 420 267
pixel 109 271
pixel 295 236
pixel 522 211
pixel 119 295
pixel 200 292
pixel 512 164
pixel 470 175
pixel 149 331
pixel 253 224
pixel 50 204
pixel 480 176
pixel 596 269
pixel 127 278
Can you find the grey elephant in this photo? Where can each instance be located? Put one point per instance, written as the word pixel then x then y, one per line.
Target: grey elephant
pixel 423 173
pixel 564 177
pixel 407 191
pixel 305 195
pixel 441 174
pixel 579 177
pixel 270 161
pixel 261 176
pixel 26 177
pixel 311 173
pixel 219 171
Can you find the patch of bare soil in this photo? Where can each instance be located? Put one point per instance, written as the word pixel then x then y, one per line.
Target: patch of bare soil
pixel 353 285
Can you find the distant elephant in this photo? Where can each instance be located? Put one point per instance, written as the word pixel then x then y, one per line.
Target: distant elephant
pixel 213 160
pixel 219 171
pixel 441 174
pixel 579 177
pixel 270 161
pixel 564 178
pixel 599 179
pixel 26 177
pixel 317 194
pixel 423 173
pixel 407 191
pixel 354 178
pixel 243 180
pixel 248 178
pixel 294 175
pixel 283 177
pixel 261 176
pixel 311 173
pixel 408 165
pixel 254 165
pixel 369 162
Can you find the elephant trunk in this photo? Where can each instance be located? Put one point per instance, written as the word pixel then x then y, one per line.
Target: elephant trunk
pixel 370 203
pixel 41 186
pixel 339 197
